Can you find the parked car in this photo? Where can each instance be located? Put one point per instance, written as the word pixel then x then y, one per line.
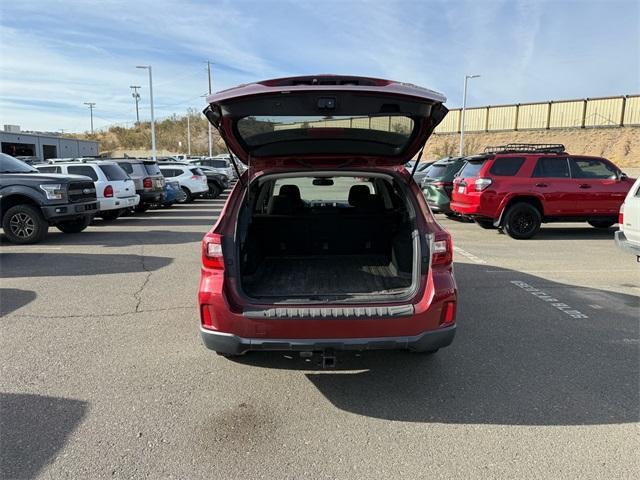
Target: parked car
pixel 421 171
pixel 628 237
pixel 437 184
pixel 518 187
pixel 31 201
pixel 192 180
pixel 217 182
pixel 222 164
pixel 115 191
pixel 327 244
pixel 147 178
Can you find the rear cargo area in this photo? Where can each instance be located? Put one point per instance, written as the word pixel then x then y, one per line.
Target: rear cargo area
pixel 359 244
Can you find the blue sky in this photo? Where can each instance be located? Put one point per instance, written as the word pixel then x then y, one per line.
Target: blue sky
pixel 55 55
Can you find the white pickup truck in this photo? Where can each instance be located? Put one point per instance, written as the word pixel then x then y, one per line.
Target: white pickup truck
pixel 628 237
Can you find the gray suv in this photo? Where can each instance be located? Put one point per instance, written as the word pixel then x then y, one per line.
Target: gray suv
pixel 147 178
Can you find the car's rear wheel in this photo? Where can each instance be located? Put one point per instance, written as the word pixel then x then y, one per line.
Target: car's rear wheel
pixel 214 190
pixel 485 223
pixel 110 215
pixel 74 226
pixel 522 221
pixel 601 223
pixel 23 224
pixel 187 197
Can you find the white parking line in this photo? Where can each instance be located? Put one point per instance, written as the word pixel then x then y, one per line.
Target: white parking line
pixel 554 302
pixel 469 255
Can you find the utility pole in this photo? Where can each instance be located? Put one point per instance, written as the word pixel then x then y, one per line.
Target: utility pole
pixel 188 133
pixel 153 124
pixel 91 105
pixel 136 97
pixel 464 107
pixel 209 123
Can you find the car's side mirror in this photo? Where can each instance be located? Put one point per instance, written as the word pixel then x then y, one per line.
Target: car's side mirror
pixel 622 176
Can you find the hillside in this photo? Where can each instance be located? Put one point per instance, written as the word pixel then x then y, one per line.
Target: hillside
pixel 621 144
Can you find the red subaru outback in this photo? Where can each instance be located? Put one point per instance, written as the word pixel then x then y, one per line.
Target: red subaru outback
pixel 326 242
pixel 517 187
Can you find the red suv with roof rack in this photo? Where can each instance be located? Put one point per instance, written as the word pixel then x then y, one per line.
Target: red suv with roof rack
pixel 326 242
pixel 518 187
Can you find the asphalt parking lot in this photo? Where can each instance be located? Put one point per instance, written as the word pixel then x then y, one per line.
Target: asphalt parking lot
pixel 103 374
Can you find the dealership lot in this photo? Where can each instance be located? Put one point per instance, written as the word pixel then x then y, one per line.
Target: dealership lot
pixel 103 373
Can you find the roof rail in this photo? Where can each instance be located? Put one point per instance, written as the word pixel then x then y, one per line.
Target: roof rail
pixel 527 148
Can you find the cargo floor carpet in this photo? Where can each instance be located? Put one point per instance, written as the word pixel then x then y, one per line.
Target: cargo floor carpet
pixel 323 275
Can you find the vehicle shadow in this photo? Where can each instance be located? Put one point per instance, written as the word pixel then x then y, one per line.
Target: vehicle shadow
pixel 575 233
pixel 34 429
pixel 37 264
pixel 124 238
pixel 12 299
pixel 516 360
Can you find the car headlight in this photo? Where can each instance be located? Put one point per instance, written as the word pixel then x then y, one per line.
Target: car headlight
pixel 53 191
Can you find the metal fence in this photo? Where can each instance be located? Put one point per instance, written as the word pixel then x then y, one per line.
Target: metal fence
pixel 619 111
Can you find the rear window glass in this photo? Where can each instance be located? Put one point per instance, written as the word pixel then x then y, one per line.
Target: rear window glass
pixel 471 169
pixel 113 172
pixel 374 134
pixel 216 163
pixel 49 169
pixel 127 167
pixel 152 168
pixel 85 170
pixel 506 166
pixel 170 172
pixel 197 171
pixel 437 171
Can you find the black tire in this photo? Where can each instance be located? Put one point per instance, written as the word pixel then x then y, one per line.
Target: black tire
pixel 74 226
pixel 522 221
pixel 485 223
pixel 111 215
pixel 601 223
pixel 142 207
pixel 24 224
pixel 214 190
pixel 168 204
pixel 188 198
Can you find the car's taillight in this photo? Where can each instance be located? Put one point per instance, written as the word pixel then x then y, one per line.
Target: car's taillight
pixel 482 183
pixel 212 251
pixel 442 184
pixel 441 249
pixel 147 183
pixel 108 191
pixel 448 316
pixel 621 215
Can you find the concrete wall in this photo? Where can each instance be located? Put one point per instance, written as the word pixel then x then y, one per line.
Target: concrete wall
pixel 64 147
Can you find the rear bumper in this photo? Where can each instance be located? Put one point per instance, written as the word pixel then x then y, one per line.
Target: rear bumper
pixel 116 203
pixel 151 197
pixel 231 344
pixel 624 244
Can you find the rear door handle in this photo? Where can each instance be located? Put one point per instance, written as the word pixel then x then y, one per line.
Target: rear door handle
pixel 585 185
pixel 541 185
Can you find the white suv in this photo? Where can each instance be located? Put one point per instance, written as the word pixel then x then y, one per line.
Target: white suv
pixel 192 180
pixel 628 237
pixel 115 191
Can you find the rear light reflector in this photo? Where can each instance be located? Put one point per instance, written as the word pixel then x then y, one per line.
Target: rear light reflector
pixel 108 191
pixel 441 249
pixel 448 316
pixel 482 183
pixel 621 215
pixel 212 251
pixel 147 183
pixel 206 318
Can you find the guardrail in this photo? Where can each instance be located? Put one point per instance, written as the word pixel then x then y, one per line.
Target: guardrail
pixel 619 111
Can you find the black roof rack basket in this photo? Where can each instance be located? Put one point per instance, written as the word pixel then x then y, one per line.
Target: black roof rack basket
pixel 527 148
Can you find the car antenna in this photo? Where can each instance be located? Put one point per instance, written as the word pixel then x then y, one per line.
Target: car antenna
pixel 415 165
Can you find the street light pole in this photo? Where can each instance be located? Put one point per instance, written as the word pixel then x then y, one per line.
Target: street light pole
pixel 153 125
pixel 188 133
pixel 136 97
pixel 209 123
pixel 91 105
pixel 464 107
